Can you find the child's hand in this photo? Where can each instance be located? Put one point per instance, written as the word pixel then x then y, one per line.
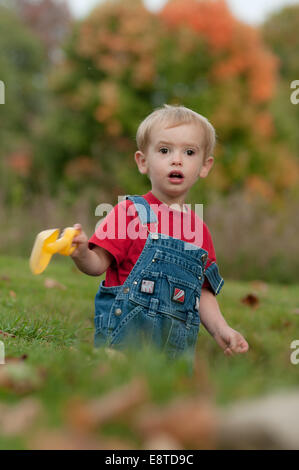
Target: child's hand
pixel 80 242
pixel 231 341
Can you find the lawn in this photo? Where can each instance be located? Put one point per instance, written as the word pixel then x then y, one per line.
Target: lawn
pixel 53 376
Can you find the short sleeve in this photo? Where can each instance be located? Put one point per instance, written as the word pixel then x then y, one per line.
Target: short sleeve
pixel 111 232
pixel 213 280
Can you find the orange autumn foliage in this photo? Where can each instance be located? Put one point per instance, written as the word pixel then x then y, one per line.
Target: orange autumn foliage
pixel 238 47
pixel 20 162
pixel 82 167
pixel 124 61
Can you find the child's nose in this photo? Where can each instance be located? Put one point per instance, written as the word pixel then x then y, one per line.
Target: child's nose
pixel 177 157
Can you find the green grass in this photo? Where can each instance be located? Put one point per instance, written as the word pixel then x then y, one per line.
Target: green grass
pixel 54 328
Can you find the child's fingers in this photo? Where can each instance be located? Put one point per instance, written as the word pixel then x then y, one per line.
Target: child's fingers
pixel 228 352
pixel 78 227
pixel 243 347
pixel 79 238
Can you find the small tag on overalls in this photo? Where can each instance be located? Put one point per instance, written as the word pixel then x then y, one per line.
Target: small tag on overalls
pixel 178 295
pixel 147 286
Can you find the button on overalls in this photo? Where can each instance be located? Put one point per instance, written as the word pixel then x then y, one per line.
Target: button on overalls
pixel 157 304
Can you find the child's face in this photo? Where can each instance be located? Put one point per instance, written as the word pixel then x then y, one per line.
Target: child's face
pixel 174 149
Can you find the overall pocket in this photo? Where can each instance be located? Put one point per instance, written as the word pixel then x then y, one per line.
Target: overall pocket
pixel 178 296
pixel 134 330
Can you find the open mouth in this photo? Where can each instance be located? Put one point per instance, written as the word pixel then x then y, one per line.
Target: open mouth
pixel 176 175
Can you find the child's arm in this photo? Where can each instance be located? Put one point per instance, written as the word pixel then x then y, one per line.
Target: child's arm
pixel 211 317
pixel 93 262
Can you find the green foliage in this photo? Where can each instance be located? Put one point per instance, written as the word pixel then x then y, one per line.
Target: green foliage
pixel 21 62
pixel 123 61
pixel 280 32
pixel 21 68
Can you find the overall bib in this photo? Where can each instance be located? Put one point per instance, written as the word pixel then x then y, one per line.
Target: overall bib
pixel 157 304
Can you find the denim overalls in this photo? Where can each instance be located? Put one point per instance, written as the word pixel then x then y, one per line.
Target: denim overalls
pixel 157 304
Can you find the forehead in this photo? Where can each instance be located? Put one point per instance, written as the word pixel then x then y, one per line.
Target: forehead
pixel 179 134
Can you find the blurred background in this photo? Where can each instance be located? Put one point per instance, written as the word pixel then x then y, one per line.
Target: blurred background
pixel 79 76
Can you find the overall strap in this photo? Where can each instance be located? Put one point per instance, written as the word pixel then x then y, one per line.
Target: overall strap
pixel 144 210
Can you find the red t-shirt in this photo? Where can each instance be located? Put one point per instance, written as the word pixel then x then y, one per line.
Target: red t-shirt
pixel 122 234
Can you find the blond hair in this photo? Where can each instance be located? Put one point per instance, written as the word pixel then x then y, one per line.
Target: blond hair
pixel 174 116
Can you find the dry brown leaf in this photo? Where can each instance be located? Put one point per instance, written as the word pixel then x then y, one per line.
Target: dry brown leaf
pixel 190 422
pixel 5 334
pixel 20 377
pixel 115 404
pixel 12 294
pixel 9 359
pixel 162 441
pixel 19 418
pixel 52 283
pixel 251 300
pixel 71 440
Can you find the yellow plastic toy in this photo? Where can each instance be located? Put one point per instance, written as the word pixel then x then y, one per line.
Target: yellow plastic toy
pixel 47 244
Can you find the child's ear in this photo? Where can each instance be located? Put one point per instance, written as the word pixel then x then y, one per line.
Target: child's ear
pixel 141 161
pixel 206 166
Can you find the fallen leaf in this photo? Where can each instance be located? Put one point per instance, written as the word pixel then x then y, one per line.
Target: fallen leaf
pixel 5 278
pixel 12 294
pixel 9 359
pixel 5 334
pixel 17 419
pixel 20 377
pixel 115 404
pixel 251 300
pixel 51 283
pixel 74 440
pixel 162 441
pixel 190 422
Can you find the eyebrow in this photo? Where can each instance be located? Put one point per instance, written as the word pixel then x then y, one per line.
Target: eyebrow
pixel 162 142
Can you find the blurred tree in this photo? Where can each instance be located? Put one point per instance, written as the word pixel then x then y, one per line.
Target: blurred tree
pixel 50 20
pixel 280 32
pixel 122 61
pixel 21 67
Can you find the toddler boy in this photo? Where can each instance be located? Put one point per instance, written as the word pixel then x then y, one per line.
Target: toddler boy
pixel 161 272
